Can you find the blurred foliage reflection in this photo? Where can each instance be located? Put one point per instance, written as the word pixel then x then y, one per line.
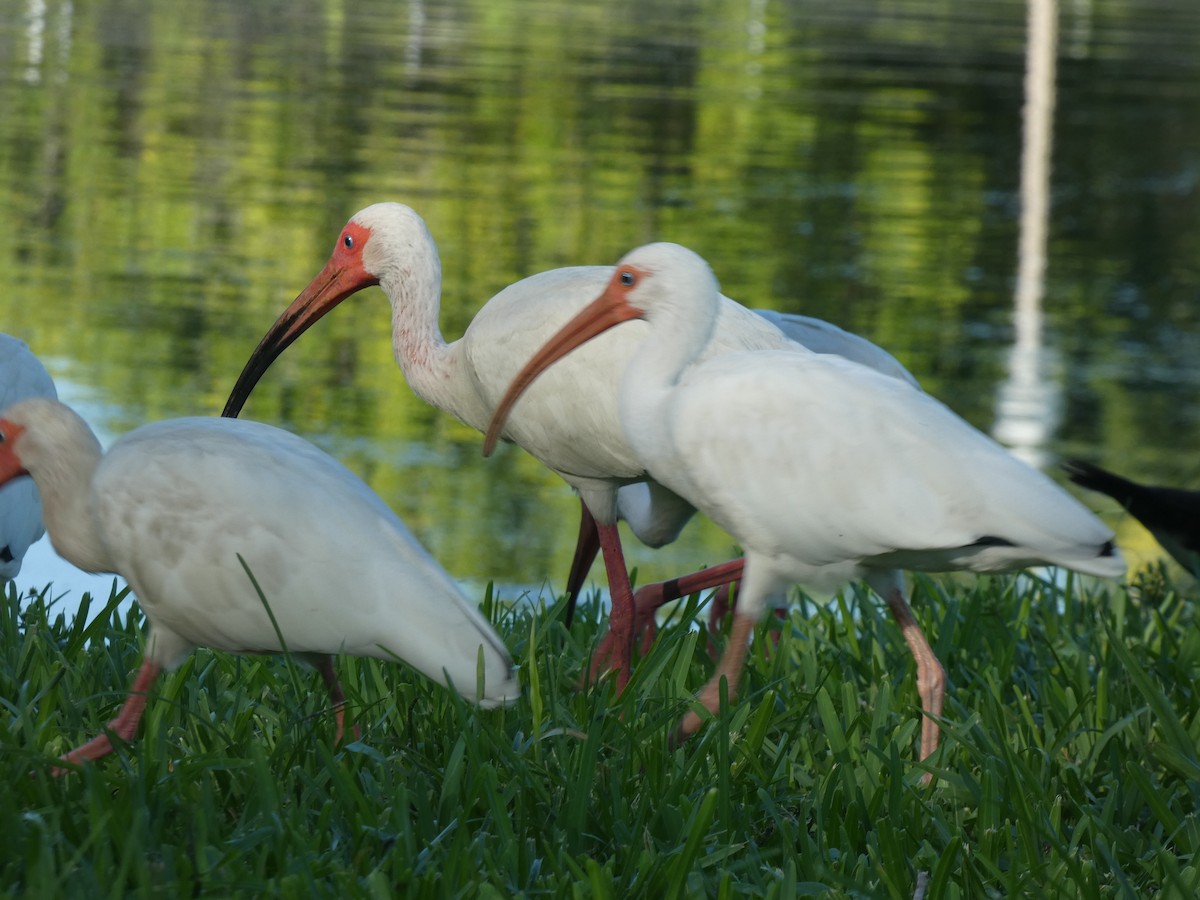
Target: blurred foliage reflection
pixel 172 174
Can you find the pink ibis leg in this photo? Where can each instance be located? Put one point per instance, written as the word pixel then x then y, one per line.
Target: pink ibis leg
pixel 123 726
pixel 931 677
pixel 729 668
pixel 620 617
pixel 718 608
pixel 587 545
pixel 329 675
pixel 650 598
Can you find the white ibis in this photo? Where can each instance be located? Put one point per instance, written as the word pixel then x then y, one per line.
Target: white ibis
pixel 1172 515
pixel 823 470
pixel 21 375
pixel 388 244
pixel 657 516
pixel 187 510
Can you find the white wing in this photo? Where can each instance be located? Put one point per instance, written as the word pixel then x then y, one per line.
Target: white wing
pixel 830 463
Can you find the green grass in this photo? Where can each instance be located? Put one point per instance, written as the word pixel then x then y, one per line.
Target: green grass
pixel 1069 766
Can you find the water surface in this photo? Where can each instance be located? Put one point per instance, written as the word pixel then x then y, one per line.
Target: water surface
pixel 171 175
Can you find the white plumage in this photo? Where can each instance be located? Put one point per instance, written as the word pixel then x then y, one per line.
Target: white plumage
pixel 823 470
pixel 569 420
pixel 176 506
pixel 21 375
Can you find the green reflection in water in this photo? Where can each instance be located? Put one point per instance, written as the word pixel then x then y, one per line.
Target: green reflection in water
pixel 172 174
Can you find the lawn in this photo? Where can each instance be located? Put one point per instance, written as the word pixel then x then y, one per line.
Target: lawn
pixel 1069 764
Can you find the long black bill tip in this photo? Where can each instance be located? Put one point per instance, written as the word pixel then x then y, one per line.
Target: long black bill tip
pixel 269 349
pixel 233 406
pixel 242 390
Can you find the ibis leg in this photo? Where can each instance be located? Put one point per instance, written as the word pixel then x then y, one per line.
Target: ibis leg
pixel 931 677
pixel 620 620
pixel 650 598
pixel 336 694
pixel 729 668
pixel 124 725
pixel 587 545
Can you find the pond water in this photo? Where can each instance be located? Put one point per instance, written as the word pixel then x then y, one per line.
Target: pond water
pixel 171 175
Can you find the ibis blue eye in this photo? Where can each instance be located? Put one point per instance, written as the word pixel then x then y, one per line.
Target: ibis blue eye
pixel 627 279
pixel 349 242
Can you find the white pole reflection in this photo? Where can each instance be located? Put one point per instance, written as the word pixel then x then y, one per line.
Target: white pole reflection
pixel 35 38
pixel 1029 406
pixel 36 15
pixel 66 16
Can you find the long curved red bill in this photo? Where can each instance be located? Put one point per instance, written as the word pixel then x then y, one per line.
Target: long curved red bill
pixel 342 276
pixel 607 310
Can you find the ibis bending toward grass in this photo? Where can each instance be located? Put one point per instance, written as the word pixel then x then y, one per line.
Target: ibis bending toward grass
pixel 1172 515
pixel 823 470
pixel 568 421
pixel 21 375
pixel 243 537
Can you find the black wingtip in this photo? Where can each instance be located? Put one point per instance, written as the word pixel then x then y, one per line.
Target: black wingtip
pixel 1092 477
pixel 1080 471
